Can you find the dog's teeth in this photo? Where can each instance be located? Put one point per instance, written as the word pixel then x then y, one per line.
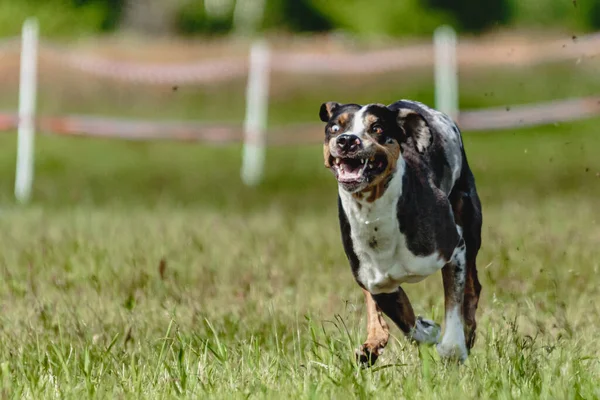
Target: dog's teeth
pixel 337 160
pixel 362 161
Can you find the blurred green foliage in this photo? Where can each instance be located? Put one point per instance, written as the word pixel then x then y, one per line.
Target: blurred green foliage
pixel 297 16
pixel 473 15
pixel 572 14
pixel 61 17
pixel 365 18
pixel 382 17
pixel 192 19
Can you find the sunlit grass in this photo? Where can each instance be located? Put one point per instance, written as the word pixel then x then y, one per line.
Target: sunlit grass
pixel 265 305
pixel 149 271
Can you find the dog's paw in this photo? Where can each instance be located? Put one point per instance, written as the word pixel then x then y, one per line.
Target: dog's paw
pixel 453 350
pixel 368 352
pixel 426 331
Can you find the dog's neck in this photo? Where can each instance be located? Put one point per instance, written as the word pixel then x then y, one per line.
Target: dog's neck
pixel 374 192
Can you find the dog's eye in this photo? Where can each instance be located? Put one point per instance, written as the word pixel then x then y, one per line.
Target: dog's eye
pixel 377 129
pixel 334 128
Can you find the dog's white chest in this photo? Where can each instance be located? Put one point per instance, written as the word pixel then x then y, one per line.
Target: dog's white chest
pixel 385 260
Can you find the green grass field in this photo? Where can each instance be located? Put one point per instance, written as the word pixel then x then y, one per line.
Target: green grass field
pixel 146 270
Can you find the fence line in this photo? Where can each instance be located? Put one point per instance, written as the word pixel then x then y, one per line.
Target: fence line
pixel 530 115
pixel 469 54
pixel 445 52
pixel 377 61
pixel 200 72
pixel 294 134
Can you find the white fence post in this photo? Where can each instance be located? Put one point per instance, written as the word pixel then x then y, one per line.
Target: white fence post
pixel 257 103
pixel 27 101
pixel 446 71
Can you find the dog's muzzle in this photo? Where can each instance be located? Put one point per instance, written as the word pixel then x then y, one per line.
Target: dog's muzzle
pixel 348 144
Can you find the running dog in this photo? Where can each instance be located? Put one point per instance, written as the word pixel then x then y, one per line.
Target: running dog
pixel 408 207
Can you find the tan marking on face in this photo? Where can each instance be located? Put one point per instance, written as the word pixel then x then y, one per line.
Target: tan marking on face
pixel 326 155
pixel 343 119
pixel 376 188
pixel 370 119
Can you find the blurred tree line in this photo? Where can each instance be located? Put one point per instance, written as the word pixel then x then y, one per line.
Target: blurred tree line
pixel 362 17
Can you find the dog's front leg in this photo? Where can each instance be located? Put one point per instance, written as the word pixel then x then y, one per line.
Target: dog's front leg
pixel 397 306
pixel 378 333
pixel 453 344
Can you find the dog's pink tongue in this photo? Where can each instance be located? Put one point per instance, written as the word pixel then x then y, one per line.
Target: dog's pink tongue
pixel 349 175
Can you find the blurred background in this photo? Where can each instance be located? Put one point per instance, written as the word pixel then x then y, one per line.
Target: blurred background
pixel 188 18
pixel 138 217
pixel 186 61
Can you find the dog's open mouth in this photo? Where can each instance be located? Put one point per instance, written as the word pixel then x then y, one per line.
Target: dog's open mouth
pixel 357 169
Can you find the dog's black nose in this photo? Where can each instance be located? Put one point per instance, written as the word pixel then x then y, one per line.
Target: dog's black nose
pixel 348 143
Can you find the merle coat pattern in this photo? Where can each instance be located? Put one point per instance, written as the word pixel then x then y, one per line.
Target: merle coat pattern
pixel 408 206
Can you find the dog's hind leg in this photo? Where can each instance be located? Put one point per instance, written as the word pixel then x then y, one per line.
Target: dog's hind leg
pixel 471 215
pixel 466 207
pixel 453 344
pixel 471 300
pixel 378 333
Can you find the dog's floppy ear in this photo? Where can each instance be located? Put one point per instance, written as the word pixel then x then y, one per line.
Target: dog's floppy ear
pixel 415 126
pixel 327 110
